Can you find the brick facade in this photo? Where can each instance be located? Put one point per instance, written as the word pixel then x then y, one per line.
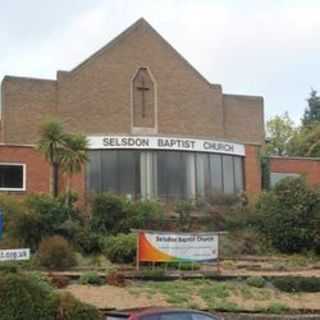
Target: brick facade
pixel 252 169
pixel 96 98
pixel 37 168
pixel 308 167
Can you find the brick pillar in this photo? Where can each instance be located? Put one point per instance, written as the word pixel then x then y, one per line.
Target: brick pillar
pixel 252 170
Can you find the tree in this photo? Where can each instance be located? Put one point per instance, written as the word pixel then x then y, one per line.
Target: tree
pixel 280 130
pixel 74 156
pixel 51 144
pixel 65 152
pixel 306 141
pixel 312 112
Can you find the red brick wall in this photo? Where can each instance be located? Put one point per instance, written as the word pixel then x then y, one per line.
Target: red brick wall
pixel 310 168
pixel 252 170
pixel 37 169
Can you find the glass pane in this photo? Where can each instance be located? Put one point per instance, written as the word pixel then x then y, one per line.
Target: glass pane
pixel 228 175
pixel 148 174
pixel 94 171
pixel 129 172
pixel 11 177
pixel 176 316
pixel 202 174
pixel 109 171
pixel 216 173
pixel 171 174
pixel 238 174
pixel 200 316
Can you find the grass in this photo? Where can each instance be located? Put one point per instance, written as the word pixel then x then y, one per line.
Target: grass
pixel 213 295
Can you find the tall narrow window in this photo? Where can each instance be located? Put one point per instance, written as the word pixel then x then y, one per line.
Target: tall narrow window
pixel 143 94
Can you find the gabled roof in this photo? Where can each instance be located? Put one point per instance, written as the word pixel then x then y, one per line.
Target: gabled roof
pixel 139 23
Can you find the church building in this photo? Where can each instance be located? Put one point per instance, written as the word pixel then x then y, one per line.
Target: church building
pixel 156 127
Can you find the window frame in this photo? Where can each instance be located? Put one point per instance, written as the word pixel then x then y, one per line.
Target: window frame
pixel 24 176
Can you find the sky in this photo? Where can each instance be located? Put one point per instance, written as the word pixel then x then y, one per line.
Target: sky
pixel 269 48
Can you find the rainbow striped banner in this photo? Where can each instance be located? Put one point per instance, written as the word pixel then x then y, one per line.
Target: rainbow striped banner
pixel 169 247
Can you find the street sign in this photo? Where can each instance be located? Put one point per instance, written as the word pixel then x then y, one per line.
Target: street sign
pixel 14 254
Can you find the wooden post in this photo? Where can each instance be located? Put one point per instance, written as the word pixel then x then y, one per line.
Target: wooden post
pixel 138 252
pixel 218 254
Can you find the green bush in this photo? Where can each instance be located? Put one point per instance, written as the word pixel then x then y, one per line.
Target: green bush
pixel 121 248
pixel 113 214
pixel 109 214
pixel 91 278
pixel 289 216
pixel 297 284
pixel 145 214
pixel 26 297
pixel 72 309
pixel 257 282
pixel 55 253
pixel 37 217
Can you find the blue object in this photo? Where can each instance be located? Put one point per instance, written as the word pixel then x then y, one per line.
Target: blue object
pixel 1 223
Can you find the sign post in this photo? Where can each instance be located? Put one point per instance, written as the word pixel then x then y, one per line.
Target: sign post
pixel 1 224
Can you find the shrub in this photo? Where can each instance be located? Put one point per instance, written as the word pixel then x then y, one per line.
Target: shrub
pixel 27 297
pixel 289 216
pixel 83 239
pixel 56 253
pixel 72 309
pixel 184 209
pixel 91 278
pixel 121 248
pixel 109 214
pixel 145 214
pixel 297 284
pixel 37 217
pixel 116 279
pixel 257 282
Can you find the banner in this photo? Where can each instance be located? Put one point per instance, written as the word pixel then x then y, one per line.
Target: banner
pixel 15 254
pixel 168 247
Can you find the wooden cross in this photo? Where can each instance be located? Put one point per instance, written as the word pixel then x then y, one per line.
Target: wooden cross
pixel 143 89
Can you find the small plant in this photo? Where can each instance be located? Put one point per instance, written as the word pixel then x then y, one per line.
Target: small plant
pixel 55 253
pixel 277 308
pixel 257 282
pixel 58 281
pixel 116 279
pixel 91 278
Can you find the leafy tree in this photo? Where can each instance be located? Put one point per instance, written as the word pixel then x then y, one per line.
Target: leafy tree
pixel 312 112
pixel 280 130
pixel 51 144
pixel 306 141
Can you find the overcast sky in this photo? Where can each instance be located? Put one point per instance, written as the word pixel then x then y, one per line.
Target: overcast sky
pixel 261 47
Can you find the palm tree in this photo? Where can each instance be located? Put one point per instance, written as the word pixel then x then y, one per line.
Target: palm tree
pixel 51 144
pixel 74 156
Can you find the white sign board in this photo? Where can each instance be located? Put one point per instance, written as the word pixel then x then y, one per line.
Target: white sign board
pixel 166 247
pixel 165 143
pixel 14 254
